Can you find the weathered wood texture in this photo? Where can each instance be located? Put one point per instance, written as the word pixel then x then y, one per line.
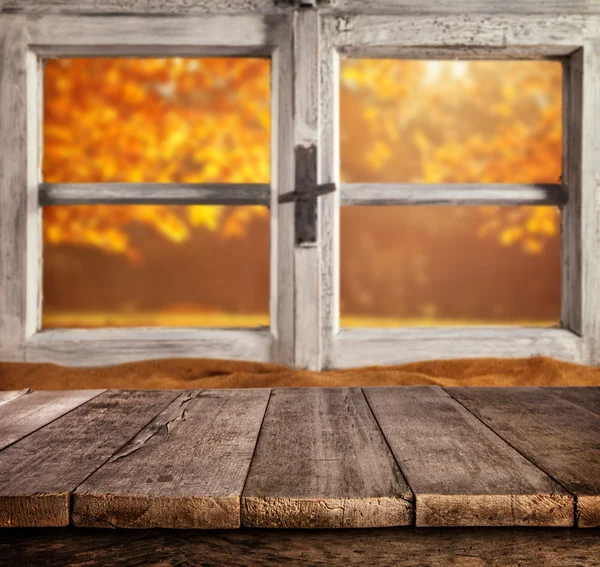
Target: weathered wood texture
pixel 12 395
pixel 167 7
pixel 154 193
pixel 329 172
pixel 321 462
pixel 452 194
pixel 588 398
pixel 356 347
pixel 560 437
pixel 186 469
pixel 13 186
pixel 38 473
pixel 283 312
pixel 588 172
pixel 32 411
pixel 562 7
pixel 362 33
pixel 391 547
pixel 461 473
pixel 248 33
pixel 103 347
pixel 306 133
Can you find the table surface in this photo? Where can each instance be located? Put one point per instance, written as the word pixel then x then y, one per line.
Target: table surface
pixel 301 458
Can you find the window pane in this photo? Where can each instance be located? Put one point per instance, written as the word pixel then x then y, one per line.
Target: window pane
pixel 451 121
pixel 445 266
pixel 156 120
pixel 147 265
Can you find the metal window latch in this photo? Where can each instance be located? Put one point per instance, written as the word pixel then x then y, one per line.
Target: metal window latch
pixel 298 3
pixel 305 195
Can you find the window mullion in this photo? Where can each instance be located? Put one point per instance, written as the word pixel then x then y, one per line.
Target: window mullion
pixel 329 205
pixel 307 351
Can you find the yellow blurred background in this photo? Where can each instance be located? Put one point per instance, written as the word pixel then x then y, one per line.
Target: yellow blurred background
pixel 208 120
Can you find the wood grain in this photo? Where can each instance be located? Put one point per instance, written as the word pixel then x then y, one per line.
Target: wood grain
pixel 586 397
pixel 306 132
pixel 186 469
pixel 371 34
pixel 321 462
pixel 155 193
pixel 103 347
pixel 403 7
pixel 451 194
pixel 382 547
pixel 329 172
pixel 166 7
pixel 12 395
pixel 359 347
pixel 38 474
pixel 32 411
pixel 587 65
pixel 461 473
pixel 558 436
pixel 251 33
pixel 283 310
pixel 13 186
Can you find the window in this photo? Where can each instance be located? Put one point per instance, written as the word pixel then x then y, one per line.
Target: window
pixel 353 173
pixel 173 121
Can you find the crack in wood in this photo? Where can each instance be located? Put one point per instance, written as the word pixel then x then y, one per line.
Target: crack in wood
pixel 154 429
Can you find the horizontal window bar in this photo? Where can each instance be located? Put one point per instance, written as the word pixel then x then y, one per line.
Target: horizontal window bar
pixel 452 194
pixel 154 193
pixel 102 347
pixel 360 347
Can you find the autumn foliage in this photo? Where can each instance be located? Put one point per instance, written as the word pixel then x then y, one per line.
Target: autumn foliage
pixel 157 121
pixel 208 120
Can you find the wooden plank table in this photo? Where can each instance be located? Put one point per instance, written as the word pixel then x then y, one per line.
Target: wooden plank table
pixel 295 458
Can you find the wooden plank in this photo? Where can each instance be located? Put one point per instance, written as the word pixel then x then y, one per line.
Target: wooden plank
pixel 103 347
pixel 13 186
pixel 32 411
pixel 372 33
pixel 283 311
pixel 389 547
pixel 404 7
pixel 360 347
pixel 11 395
pixel 588 174
pixel 156 7
pixel 321 462
pixel 155 193
pixel 559 437
pixel 451 194
pixel 186 469
pixel 329 172
pixel 251 33
pixel 306 122
pixel 38 474
pixel 461 473
pixel 586 397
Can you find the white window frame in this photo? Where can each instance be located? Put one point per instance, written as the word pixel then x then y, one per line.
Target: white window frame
pixel 305 46
pixel 27 40
pixel 575 40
